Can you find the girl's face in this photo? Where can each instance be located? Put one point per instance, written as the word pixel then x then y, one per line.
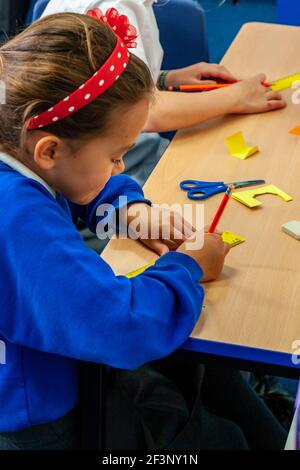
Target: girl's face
pixel 80 175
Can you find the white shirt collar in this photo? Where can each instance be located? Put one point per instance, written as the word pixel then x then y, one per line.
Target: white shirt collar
pixel 23 170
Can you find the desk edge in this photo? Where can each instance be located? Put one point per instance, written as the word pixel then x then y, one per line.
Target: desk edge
pixel 245 353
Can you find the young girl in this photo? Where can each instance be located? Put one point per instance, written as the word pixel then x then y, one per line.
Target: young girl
pixel 76 100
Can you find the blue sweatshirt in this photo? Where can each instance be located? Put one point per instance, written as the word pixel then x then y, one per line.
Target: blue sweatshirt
pixel 61 303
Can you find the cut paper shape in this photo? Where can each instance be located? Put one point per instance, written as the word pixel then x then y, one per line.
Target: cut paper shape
pixel 285 82
pixel 238 147
pixel 292 228
pixel 295 131
pixel 138 271
pixel 232 239
pixel 248 197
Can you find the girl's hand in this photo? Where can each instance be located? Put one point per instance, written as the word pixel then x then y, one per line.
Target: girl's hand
pixel 250 96
pixel 211 257
pixel 199 74
pixel 160 230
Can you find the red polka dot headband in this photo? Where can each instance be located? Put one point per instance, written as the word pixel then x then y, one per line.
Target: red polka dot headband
pixel 102 80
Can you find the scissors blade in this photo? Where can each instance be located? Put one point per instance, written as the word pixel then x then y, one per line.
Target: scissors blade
pixel 245 184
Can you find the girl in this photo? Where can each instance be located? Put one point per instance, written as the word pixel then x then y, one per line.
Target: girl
pixel 76 100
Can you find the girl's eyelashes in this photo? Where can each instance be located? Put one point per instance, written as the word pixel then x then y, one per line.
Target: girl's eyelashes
pixel 117 162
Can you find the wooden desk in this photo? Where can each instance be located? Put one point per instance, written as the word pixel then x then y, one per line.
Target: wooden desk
pixel 253 311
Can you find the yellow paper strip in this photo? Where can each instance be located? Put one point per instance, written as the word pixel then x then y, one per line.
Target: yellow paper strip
pixel 138 271
pixel 238 147
pixel 232 239
pixel 285 83
pixel 248 197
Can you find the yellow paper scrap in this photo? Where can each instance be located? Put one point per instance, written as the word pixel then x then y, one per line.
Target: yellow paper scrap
pixel 232 239
pixel 295 131
pixel 138 271
pixel 238 147
pixel 285 83
pixel 248 197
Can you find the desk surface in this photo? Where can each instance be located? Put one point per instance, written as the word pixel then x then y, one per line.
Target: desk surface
pixel 256 302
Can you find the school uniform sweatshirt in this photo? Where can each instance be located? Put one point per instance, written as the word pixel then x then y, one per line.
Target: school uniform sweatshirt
pixel 61 303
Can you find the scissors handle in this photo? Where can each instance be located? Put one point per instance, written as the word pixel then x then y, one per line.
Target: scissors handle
pixel 200 190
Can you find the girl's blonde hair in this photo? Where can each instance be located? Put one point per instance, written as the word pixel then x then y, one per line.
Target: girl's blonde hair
pixel 48 61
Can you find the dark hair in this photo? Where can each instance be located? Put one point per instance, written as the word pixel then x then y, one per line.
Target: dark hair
pixel 48 61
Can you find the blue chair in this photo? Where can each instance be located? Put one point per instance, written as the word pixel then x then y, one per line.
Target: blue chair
pixel 182 27
pixel 183 34
pixel 288 12
pixel 36 10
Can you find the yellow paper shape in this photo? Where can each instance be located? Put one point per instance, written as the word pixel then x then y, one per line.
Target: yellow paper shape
pixel 238 147
pixel 232 239
pixel 285 83
pixel 295 131
pixel 248 197
pixel 138 271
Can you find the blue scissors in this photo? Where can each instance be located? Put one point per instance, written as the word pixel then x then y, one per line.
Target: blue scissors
pixel 200 190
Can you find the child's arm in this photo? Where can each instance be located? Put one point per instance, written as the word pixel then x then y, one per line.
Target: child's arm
pixel 196 74
pixel 121 185
pixel 172 111
pixel 121 208
pixel 62 298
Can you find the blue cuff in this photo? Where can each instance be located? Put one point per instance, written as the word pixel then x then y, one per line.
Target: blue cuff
pixel 133 197
pixel 183 260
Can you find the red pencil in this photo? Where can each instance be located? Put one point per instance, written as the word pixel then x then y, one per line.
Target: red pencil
pixel 221 209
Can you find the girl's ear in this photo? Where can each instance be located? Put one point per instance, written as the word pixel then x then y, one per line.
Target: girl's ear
pixel 47 152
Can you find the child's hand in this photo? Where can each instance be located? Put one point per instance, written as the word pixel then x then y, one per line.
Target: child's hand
pixel 199 74
pixel 250 96
pixel 211 257
pixel 160 230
